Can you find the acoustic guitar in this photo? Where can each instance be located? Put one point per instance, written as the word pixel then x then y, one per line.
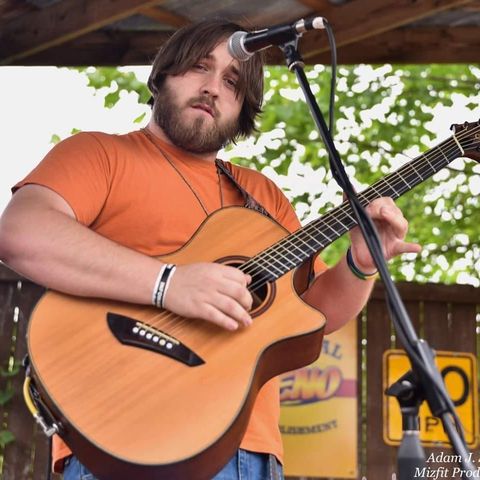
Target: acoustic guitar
pixel 141 393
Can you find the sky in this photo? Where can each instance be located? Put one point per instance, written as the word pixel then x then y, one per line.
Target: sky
pixel 38 102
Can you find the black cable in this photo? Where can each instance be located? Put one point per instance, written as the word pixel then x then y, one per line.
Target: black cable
pixel 49 461
pixel 333 79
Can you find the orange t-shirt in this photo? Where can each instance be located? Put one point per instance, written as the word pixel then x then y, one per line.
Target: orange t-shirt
pixel 122 187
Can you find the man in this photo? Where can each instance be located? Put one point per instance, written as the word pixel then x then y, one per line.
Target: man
pixel 92 217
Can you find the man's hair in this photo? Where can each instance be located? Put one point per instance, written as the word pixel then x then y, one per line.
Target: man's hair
pixel 192 43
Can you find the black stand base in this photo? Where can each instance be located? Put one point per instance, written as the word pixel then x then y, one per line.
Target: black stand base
pixel 411 457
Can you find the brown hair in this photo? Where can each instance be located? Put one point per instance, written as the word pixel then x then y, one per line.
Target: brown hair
pixel 194 42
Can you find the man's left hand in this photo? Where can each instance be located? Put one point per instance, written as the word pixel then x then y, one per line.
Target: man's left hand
pixel 392 228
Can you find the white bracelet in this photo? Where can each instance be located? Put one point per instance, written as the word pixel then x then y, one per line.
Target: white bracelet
pixel 157 284
pixel 167 283
pixel 161 286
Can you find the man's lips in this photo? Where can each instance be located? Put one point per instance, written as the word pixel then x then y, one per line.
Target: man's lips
pixel 205 108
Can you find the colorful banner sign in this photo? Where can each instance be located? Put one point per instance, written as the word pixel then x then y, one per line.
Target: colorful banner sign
pixel 319 419
pixel 459 371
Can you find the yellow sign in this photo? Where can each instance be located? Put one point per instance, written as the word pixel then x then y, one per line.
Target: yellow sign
pixel 319 411
pixel 459 371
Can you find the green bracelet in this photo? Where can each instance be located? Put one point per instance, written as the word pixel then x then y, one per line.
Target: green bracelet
pixel 356 271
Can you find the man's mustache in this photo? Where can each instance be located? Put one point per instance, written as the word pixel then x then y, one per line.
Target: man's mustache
pixel 205 100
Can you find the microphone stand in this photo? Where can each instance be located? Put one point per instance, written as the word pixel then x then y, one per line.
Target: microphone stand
pixel 423 381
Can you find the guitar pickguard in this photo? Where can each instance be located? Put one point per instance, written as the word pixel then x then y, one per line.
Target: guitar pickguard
pixel 129 331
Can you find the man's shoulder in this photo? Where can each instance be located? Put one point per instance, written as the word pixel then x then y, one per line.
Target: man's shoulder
pixel 103 138
pixel 99 145
pixel 249 174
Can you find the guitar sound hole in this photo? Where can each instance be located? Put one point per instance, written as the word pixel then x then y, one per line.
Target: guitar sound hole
pixel 259 291
pixel 262 292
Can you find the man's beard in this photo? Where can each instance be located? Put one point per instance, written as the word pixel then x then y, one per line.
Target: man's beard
pixel 195 136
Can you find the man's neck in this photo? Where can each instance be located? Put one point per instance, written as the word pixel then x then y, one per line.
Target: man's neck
pixel 158 132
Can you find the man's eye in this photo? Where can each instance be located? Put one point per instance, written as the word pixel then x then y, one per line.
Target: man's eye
pixel 231 82
pixel 200 66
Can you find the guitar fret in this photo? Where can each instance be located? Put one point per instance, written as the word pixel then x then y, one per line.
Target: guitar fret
pixel 412 178
pixel 272 265
pixel 288 260
pixel 280 267
pixel 416 172
pixel 327 225
pixel 312 238
pixel 298 258
pixel 404 181
pixel 374 190
pixel 265 267
pixel 338 221
pixel 441 151
pixel 433 168
pixel 350 217
pixel 260 275
pixel 299 252
pixel 290 256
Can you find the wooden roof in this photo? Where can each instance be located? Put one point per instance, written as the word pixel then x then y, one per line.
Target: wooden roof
pixel 127 32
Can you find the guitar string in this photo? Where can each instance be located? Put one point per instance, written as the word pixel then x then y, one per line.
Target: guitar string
pixel 363 196
pixel 370 190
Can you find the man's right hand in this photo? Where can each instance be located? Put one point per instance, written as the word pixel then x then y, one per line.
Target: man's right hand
pixel 212 292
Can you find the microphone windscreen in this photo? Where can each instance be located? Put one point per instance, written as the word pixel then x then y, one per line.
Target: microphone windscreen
pixel 236 48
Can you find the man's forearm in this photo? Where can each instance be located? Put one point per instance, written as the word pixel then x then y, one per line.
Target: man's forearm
pixel 339 295
pixel 54 250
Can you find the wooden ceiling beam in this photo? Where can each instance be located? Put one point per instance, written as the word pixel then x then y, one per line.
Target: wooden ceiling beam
pixel 316 5
pixel 402 45
pixel 42 29
pixel 161 15
pixel 361 19
pixel 102 48
pixel 473 8
pixel 406 45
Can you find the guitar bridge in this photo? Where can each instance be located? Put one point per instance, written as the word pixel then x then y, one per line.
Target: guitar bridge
pixel 129 331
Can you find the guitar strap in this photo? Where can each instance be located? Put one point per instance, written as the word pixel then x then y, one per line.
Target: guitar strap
pixel 250 202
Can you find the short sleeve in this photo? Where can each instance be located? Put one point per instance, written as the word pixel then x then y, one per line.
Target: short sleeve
pixel 78 169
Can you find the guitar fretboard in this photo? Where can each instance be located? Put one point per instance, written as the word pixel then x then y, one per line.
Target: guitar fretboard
pixel 293 250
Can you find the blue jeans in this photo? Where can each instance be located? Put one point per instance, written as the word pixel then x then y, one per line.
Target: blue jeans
pixel 243 465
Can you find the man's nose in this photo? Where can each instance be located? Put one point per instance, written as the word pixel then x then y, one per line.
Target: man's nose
pixel 211 85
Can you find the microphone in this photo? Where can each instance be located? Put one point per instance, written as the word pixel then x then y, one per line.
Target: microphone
pixel 242 45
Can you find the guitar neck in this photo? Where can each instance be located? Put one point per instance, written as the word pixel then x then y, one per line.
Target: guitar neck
pixel 293 250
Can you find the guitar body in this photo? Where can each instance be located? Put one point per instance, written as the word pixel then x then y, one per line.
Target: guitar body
pixel 130 412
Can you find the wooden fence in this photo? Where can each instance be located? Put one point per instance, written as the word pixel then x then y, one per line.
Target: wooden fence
pixel 448 317
pixel 27 456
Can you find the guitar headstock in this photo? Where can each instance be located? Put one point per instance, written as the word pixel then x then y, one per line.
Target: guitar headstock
pixel 468 136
